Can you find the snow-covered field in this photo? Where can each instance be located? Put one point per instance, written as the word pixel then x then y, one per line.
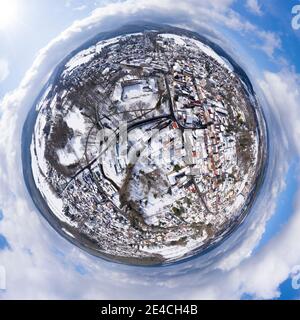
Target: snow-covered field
pixel 183 41
pixel 87 55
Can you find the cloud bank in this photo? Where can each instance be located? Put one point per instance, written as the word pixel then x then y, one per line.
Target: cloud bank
pixel 40 264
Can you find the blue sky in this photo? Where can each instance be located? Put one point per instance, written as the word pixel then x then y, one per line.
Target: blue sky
pixel 259 35
pixel 275 17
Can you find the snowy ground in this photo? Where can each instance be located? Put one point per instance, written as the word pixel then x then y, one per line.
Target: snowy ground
pixel 183 41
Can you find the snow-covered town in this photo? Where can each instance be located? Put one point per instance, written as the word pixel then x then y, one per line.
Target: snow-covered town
pixel 147 148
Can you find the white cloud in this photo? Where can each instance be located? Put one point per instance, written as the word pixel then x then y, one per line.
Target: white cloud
pixel 80 8
pixel 271 42
pixel 42 264
pixel 254 7
pixel 4 70
pixel 282 90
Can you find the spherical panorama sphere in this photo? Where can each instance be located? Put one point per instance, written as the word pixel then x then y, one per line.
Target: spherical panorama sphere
pixel 147 146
